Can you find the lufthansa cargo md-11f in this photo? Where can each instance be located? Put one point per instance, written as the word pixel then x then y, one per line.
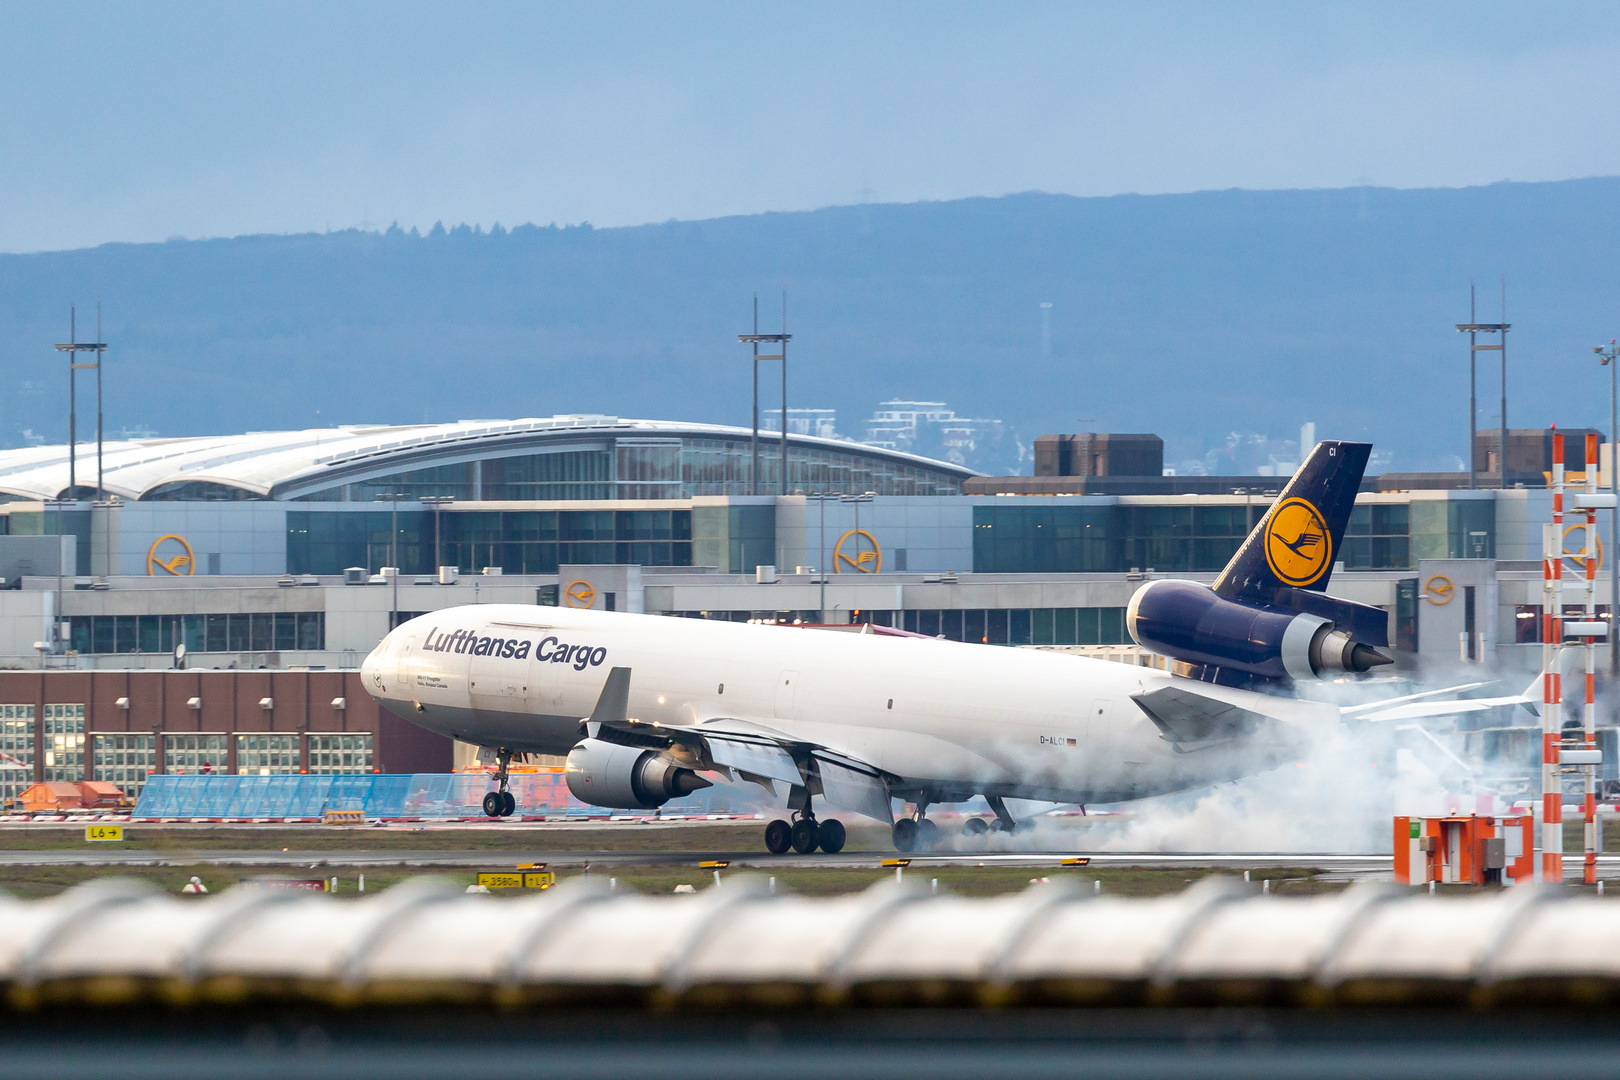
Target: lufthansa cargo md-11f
pixel 649 708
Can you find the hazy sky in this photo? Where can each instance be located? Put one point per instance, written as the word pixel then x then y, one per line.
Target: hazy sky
pixel 144 121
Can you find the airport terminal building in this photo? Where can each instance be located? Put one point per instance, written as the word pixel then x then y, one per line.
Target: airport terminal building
pixel 273 551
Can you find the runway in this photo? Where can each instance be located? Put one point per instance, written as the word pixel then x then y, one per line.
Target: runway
pixel 1348 865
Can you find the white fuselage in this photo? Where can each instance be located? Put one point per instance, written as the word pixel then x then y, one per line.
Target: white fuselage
pixel 936 716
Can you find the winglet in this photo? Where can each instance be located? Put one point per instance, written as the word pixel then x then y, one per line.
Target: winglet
pixel 1531 698
pixel 613 706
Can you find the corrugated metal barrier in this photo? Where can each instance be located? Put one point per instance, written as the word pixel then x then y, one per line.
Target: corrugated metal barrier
pixel 740 944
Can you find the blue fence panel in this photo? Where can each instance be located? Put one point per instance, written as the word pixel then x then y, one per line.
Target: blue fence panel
pixel 308 798
pixel 157 799
pixel 424 795
pixel 349 792
pixel 388 794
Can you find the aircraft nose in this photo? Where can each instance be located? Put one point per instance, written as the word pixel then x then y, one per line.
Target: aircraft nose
pixel 371 669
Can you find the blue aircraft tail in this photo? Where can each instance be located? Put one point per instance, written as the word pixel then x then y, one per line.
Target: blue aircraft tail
pixel 1298 541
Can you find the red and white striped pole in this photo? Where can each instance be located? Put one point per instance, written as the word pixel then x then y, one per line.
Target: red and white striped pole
pixel 1589 718
pixel 1552 636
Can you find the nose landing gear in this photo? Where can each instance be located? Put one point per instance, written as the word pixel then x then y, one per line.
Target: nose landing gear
pixel 501 802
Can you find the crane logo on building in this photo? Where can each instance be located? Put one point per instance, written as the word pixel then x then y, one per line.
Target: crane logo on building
pixel 858 550
pixel 1298 547
pixel 1439 590
pixel 1575 557
pixel 172 555
pixel 579 594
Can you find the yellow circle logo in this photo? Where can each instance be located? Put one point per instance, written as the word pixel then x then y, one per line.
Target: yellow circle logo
pixel 579 594
pixel 181 563
pixel 1439 590
pixel 1574 557
pixel 863 554
pixel 1298 547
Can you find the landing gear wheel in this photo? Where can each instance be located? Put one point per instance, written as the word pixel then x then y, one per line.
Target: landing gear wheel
pixel 494 803
pixel 806 835
pixel 975 827
pixel 832 836
pixel 905 835
pixel 508 804
pixel 778 837
pixel 927 834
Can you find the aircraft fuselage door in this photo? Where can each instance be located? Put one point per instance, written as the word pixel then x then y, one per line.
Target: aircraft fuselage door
pixel 787 689
pixel 1096 727
pixel 497 685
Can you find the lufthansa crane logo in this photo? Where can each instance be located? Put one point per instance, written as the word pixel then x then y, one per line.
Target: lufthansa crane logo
pixel 1298 547
pixel 858 550
pixel 180 563
pixel 579 594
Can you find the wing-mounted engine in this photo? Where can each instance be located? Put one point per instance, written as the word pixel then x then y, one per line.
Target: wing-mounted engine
pixel 613 774
pixel 617 766
pixel 1268 615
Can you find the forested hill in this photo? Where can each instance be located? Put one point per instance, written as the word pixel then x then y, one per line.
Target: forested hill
pixel 1188 315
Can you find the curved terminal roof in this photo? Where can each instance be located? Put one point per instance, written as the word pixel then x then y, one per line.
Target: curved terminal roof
pixel 285 464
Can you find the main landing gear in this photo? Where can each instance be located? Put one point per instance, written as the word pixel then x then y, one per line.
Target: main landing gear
pixel 501 802
pixel 915 833
pixel 804 834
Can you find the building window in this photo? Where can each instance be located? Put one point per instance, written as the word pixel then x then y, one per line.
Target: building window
pixel 257 632
pixel 1022 626
pixel 194 753
pixel 16 749
pixel 125 760
pixel 346 753
pixel 1378 537
pixel 267 755
pixel 64 742
pixel 1526 624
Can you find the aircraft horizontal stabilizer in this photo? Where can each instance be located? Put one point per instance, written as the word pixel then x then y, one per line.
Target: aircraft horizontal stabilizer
pixel 1192 720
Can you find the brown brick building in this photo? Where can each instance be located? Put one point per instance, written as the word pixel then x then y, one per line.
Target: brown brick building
pixel 120 726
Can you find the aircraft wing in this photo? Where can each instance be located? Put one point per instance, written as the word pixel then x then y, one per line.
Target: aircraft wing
pixel 757 752
pixel 1419 710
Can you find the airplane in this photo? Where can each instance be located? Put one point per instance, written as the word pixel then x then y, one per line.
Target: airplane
pixel 648 707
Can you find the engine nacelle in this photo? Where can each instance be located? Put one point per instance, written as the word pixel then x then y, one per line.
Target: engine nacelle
pixel 603 773
pixel 1189 622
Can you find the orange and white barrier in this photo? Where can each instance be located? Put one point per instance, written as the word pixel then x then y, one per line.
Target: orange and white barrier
pixel 1465 849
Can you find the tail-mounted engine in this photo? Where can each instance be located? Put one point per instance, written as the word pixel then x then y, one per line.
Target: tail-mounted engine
pixel 1301 635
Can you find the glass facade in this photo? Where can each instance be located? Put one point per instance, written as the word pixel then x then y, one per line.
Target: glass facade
pixel 1202 539
pixel 518 541
pixel 64 742
pixel 17 744
pixel 194 753
pixel 1107 539
pixel 651 467
pixel 349 752
pixel 987 626
pixel 1527 621
pixel 237 632
pixel 125 760
pixel 267 754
